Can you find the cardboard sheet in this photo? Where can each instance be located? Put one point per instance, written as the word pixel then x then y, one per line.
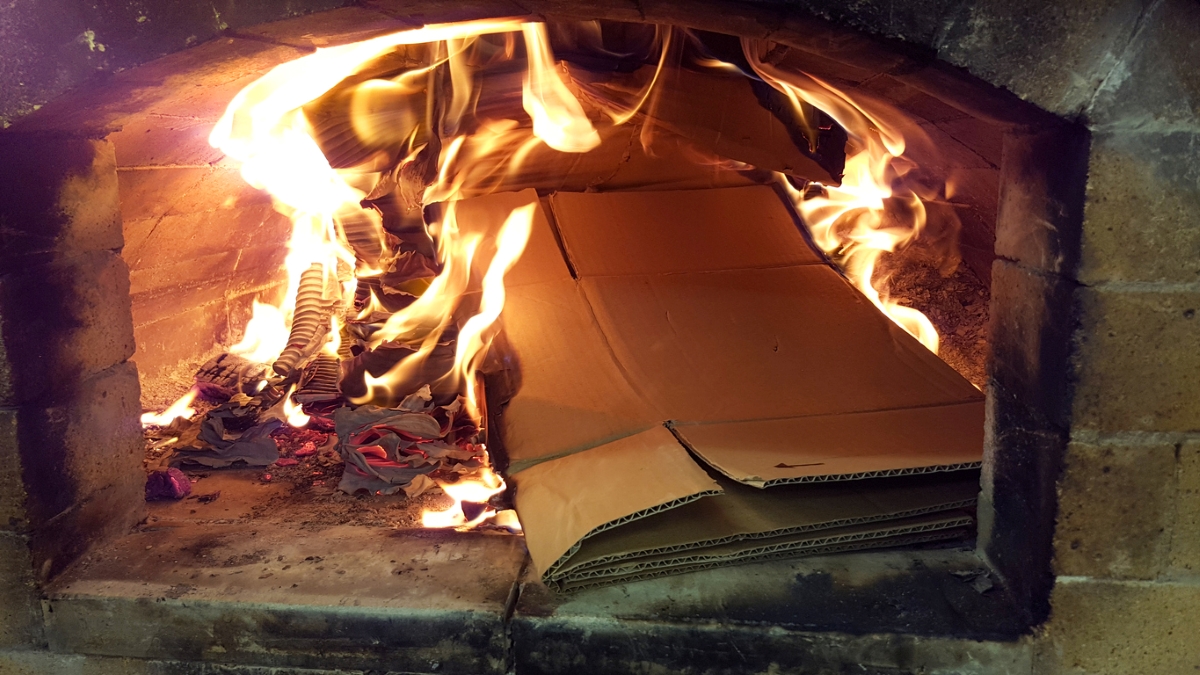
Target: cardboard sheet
pixel 707 311
pixel 564 501
pixel 842 446
pixel 747 517
pixel 730 123
pixel 924 536
pixel 794 544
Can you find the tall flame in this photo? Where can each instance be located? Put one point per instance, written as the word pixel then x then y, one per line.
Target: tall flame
pixel 848 222
pixel 267 129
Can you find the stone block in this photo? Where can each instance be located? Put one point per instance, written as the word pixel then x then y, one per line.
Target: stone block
pixel 62 320
pixel 984 138
pixel 176 239
pixel 222 188
pixel 157 140
pixel 148 285
pixel 1121 628
pixel 327 29
pixel 1156 83
pixel 280 597
pixel 1116 510
pixel 147 194
pixel 1022 461
pixel 174 339
pixel 81 465
pixel 1043 174
pixel 20 609
pixel 1054 55
pixel 12 488
pixel 57 194
pixel 1137 358
pixel 1030 340
pixel 604 645
pixel 1142 199
pixel 1185 537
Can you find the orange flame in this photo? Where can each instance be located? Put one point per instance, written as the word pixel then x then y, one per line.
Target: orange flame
pixel 848 221
pixel 266 128
pixel 181 408
pixel 471 490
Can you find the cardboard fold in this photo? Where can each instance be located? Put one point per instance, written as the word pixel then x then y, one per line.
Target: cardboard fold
pixel 795 543
pixel 746 516
pixel 925 537
pixel 846 446
pixel 564 501
pixel 708 312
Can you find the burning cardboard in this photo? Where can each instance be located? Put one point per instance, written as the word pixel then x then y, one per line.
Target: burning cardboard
pixel 682 345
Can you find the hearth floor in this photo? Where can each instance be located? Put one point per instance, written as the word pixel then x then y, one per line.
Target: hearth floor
pixel 231 582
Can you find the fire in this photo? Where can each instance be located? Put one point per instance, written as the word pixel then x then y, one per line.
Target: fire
pixel 475 492
pixel 848 221
pixel 415 136
pixel 267 129
pixel 266 334
pixel 181 408
pixel 295 416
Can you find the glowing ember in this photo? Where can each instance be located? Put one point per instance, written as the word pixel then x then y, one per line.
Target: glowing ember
pixel 179 409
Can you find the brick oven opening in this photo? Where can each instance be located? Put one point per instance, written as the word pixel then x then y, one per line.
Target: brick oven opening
pixel 645 249
pixel 576 302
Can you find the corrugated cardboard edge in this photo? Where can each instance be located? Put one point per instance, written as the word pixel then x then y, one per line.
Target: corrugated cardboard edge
pixel 566 586
pixel 946 522
pixel 649 470
pixel 911 471
pixel 751 536
pixel 927 439
pixel 621 521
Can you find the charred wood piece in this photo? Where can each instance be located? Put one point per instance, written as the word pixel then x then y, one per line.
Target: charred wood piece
pixel 308 323
pixel 227 375
pixel 319 381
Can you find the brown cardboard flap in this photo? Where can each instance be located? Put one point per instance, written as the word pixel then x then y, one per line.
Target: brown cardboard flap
pixel 731 123
pixel 843 446
pixel 748 516
pixel 571 395
pixel 923 537
pixel 618 163
pixel 764 343
pixel 542 260
pixel 566 500
pixel 679 231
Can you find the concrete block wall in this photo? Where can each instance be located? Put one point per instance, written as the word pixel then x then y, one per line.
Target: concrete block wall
pixel 1116 433
pixel 70 444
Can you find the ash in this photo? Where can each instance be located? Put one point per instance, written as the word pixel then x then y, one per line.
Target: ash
pixel 956 301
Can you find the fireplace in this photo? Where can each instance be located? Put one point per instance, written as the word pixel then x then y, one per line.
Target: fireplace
pixel 120 176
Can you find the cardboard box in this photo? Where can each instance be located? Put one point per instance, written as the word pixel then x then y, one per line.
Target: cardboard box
pixel 682 364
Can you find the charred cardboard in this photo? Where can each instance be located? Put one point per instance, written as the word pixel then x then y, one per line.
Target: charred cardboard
pixel 705 310
pixel 718 112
